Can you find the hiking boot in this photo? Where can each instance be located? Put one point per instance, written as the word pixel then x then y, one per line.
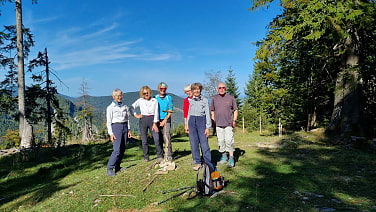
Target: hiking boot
pixel 196 167
pixel 223 159
pixel 110 173
pixel 231 162
pixel 120 169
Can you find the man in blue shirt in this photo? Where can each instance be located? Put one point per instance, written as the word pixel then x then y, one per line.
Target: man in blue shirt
pixel 165 112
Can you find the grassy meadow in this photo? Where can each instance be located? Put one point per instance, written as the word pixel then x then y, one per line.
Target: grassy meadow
pixel 296 172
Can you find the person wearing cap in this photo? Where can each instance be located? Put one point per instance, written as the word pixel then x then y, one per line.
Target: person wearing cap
pixel 224 112
pixel 165 107
pixel 199 123
pixel 148 119
pixel 117 122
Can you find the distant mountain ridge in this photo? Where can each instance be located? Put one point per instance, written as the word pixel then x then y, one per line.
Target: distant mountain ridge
pixel 99 103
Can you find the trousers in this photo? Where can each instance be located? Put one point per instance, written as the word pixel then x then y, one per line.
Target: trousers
pixel 121 134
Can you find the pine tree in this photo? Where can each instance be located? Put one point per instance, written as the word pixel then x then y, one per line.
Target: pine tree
pixel 232 87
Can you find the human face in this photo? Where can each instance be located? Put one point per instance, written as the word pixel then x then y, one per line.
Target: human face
pixel 118 97
pixel 162 90
pixel 221 89
pixel 146 94
pixel 189 93
pixel 196 92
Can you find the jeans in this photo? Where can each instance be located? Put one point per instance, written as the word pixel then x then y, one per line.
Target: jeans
pixel 198 139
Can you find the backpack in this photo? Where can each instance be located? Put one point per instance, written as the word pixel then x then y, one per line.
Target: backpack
pixel 209 180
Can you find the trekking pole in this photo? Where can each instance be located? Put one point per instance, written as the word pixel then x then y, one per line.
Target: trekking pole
pixel 176 195
pixel 177 189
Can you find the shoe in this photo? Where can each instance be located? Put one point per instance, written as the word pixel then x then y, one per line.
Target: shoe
pixel 120 169
pixel 110 173
pixel 196 167
pixel 159 160
pixel 231 162
pixel 146 159
pixel 223 159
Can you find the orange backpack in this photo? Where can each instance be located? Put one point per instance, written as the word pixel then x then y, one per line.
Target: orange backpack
pixel 209 181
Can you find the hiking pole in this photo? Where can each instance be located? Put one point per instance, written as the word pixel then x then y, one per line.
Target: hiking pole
pixel 177 189
pixel 176 195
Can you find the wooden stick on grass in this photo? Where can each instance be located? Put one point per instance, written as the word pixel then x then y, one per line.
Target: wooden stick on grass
pixel 116 195
pixel 151 181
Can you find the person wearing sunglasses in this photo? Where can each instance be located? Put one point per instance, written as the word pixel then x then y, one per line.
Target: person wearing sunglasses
pixel 224 112
pixel 117 122
pixel 148 119
pixel 165 106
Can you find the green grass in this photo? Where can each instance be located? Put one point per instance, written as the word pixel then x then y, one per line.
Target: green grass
pixel 298 172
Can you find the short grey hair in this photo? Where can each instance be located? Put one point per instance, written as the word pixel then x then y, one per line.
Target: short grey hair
pixel 116 91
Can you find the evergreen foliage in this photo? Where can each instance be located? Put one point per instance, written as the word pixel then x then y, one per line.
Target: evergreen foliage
pixel 315 68
pixel 232 86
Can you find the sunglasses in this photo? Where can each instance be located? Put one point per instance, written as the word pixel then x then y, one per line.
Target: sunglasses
pixel 163 89
pixel 221 87
pixel 145 93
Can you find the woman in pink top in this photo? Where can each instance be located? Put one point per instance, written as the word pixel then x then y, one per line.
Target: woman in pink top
pixel 188 91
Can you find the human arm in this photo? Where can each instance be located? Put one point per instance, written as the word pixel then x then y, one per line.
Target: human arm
pixel 168 108
pixel 164 121
pixel 109 123
pixel 132 109
pixel 156 116
pixel 208 117
pixel 235 118
pixel 235 113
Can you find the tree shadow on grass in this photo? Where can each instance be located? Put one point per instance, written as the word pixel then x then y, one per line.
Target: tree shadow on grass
pixel 305 176
pixel 35 174
pixel 216 155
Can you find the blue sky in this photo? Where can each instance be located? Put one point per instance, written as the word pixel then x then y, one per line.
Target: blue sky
pixel 130 43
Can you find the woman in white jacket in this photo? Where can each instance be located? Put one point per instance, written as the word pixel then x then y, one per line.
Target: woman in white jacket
pixel 149 118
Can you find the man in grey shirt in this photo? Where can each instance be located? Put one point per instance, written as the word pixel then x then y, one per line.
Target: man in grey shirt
pixel 224 112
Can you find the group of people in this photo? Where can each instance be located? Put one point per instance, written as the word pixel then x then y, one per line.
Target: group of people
pixel 155 116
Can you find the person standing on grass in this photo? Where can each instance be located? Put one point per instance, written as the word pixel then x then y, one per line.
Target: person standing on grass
pixel 188 91
pixel 224 112
pixel 199 123
pixel 165 106
pixel 149 118
pixel 117 122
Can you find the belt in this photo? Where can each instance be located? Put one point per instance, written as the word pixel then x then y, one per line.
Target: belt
pixel 147 115
pixel 119 123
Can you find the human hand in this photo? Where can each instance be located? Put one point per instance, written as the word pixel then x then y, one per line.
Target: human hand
pixel 155 128
pixel 207 132
pixel 112 138
pixel 129 134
